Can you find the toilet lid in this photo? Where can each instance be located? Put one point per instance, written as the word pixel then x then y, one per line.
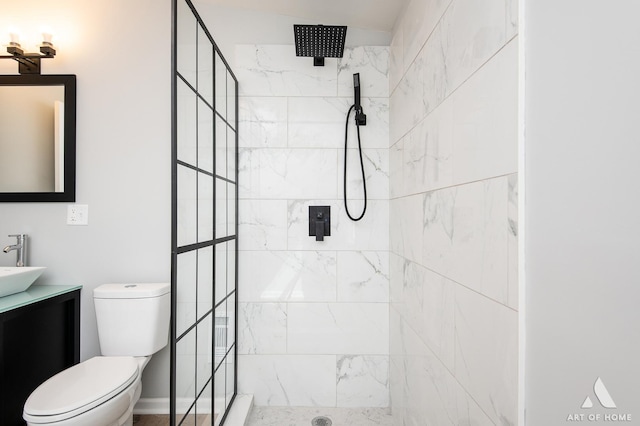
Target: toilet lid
pixel 82 387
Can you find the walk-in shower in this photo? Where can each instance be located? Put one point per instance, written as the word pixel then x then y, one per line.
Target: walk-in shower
pixel 204 224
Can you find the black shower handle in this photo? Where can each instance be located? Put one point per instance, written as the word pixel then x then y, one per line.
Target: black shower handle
pixel 319 227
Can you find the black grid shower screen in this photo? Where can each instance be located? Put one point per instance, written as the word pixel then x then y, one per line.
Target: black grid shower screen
pixel 204 224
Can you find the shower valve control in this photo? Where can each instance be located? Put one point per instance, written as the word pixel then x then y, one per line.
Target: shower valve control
pixel 319 222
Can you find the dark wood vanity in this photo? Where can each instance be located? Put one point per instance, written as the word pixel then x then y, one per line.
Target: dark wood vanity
pixel 39 337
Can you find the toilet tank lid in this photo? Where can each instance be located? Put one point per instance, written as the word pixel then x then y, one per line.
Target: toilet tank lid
pixel 131 290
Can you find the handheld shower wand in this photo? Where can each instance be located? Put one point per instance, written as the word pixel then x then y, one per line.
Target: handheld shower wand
pixel 361 120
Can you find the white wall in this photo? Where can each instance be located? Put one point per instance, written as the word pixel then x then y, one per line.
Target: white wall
pixel 453 214
pixel 120 52
pixel 582 202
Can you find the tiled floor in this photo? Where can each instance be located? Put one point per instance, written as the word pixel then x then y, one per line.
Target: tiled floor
pixel 286 416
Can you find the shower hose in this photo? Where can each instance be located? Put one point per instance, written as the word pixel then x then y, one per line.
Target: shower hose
pixel 364 182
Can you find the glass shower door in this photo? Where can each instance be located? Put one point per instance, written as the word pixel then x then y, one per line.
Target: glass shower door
pixel 204 224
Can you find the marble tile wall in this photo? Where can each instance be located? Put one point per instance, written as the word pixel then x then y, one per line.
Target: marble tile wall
pixel 313 316
pixel 453 214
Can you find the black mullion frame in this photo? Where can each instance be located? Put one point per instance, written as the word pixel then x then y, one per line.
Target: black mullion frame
pixel 202 244
pixel 174 210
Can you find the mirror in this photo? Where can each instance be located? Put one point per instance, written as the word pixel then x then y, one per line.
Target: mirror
pixel 37 138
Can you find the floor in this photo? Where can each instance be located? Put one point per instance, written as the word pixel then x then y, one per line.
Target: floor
pixel 286 416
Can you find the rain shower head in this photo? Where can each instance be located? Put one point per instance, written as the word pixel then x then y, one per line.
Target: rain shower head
pixel 320 41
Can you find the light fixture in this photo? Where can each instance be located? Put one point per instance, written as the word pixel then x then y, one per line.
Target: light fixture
pixel 29 63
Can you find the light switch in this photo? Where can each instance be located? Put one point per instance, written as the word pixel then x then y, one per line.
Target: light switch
pixel 77 214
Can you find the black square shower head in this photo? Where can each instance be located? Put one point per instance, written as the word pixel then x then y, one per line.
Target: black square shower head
pixel 320 41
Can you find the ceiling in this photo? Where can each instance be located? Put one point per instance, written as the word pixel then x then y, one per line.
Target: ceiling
pixel 376 15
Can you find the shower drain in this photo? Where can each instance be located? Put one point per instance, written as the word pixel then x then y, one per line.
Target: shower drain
pixel 321 421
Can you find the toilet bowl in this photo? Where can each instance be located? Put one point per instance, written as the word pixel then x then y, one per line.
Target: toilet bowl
pixel 133 323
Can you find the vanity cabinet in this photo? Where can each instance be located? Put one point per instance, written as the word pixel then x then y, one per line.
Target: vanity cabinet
pixel 39 337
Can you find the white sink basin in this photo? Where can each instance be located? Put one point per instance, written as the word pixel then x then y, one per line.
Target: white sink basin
pixel 15 279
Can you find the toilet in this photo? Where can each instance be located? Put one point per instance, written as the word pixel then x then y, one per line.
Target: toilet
pixel 133 324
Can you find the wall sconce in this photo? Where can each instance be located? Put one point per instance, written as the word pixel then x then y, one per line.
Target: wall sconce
pixel 29 63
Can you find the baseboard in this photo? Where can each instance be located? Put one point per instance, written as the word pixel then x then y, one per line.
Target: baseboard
pixel 152 406
pixel 161 405
pixel 236 417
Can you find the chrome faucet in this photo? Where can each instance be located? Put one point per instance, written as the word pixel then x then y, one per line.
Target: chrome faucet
pixel 20 247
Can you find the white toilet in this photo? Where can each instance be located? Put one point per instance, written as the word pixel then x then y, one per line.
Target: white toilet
pixel 133 324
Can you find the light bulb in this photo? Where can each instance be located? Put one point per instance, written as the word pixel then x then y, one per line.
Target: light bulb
pixel 46 38
pixel 15 38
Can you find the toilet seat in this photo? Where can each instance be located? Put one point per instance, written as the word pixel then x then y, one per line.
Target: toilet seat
pixel 80 388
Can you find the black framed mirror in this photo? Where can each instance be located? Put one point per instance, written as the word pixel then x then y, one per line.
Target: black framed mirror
pixel 37 138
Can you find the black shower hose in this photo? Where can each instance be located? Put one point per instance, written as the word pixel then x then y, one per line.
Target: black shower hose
pixel 364 182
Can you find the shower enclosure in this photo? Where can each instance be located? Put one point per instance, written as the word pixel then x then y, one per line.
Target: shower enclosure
pixel 204 224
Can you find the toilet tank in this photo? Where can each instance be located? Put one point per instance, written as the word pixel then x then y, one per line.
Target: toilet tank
pixel 133 319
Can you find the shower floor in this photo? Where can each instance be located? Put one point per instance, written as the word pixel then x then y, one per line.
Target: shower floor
pixel 302 416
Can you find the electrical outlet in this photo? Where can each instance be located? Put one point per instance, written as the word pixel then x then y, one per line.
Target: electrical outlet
pixel 77 214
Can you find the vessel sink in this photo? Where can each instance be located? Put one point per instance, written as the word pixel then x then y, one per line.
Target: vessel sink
pixel 15 279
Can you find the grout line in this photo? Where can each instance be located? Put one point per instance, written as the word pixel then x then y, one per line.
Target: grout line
pixel 457 185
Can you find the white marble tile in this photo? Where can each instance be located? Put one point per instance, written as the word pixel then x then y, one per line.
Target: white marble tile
pixel 372 62
pixel 419 21
pixel 428 152
pixel 397 372
pixel 397 394
pixel 363 276
pixel 338 328
pixel 362 381
pixel 512 241
pixel 396 64
pixel 466 412
pixel 275 70
pixel 396 277
pixel 396 169
pixel 406 222
pixel 485 120
pixel 262 224
pixel 304 276
pixel 317 122
pixel 512 19
pixel 428 308
pixel 370 233
pixel 288 380
pixel 465 235
pixel 294 416
pixel 472 33
pixel 376 133
pixel 376 169
pixel 262 328
pixel 486 362
pixel 262 122
pixel 428 386
pixel 289 173
pixel 423 390
pixel 432 64
pixel 406 106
